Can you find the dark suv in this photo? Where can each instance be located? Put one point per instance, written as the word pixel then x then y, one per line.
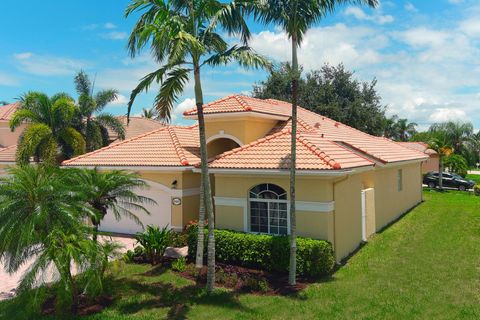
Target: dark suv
pixel 450 180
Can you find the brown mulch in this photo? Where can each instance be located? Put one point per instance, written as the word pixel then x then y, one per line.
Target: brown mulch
pixel 85 306
pixel 237 279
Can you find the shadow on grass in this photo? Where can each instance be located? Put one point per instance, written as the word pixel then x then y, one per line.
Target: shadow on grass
pixel 167 295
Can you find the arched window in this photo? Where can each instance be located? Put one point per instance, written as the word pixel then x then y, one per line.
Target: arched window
pixel 268 209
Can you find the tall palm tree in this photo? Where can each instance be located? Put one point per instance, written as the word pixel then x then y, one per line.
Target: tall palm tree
pixel 111 190
pixel 91 121
pixel 439 141
pixel 295 17
pixel 404 130
pixel 389 127
pixel 458 133
pixel 49 136
pixel 149 113
pixel 184 36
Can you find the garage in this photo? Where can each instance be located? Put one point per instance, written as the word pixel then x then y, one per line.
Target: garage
pixel 160 213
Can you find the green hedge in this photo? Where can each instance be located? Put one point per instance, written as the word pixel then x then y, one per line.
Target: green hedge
pixel 314 257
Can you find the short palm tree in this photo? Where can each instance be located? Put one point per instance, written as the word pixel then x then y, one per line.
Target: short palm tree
pixel 50 136
pixel 185 36
pixel 149 113
pixel 40 219
pixel 404 130
pixel 91 121
pixel 111 190
pixel 439 141
pixel 295 17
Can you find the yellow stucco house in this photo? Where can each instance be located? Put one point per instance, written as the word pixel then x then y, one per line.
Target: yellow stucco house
pixel 349 184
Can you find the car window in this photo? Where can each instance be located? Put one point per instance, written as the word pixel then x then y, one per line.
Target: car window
pixel 456 176
pixel 446 175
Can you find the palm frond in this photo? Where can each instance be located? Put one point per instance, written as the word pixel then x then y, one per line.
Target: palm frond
pixel 110 121
pixel 169 92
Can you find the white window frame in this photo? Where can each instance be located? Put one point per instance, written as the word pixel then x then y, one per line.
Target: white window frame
pixel 249 217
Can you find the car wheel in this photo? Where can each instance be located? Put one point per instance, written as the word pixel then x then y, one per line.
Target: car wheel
pixel 462 188
pixel 432 185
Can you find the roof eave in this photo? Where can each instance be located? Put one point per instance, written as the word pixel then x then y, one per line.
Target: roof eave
pixel 256 114
pixel 323 173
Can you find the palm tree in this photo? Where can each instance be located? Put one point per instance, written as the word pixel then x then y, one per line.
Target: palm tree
pixel 149 113
pixel 404 130
pixel 111 190
pixel 389 127
pixel 91 121
pixel 40 219
pixel 49 136
pixel 295 17
pixel 184 37
pixel 457 133
pixel 439 141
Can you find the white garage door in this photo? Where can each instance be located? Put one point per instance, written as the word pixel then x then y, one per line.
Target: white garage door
pixel 160 214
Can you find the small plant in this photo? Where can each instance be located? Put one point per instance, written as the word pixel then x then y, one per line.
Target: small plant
pixel 179 265
pixel 226 278
pixel 179 239
pixel 154 241
pixel 476 189
pixel 253 284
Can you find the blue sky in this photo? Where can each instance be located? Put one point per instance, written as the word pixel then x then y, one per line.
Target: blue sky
pixel 424 54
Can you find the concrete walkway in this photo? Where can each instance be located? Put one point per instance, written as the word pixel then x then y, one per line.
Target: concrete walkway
pixel 8 282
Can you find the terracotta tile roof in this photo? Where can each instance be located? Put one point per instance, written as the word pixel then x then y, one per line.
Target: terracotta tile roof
pixel 136 127
pixel 419 146
pixel 8 154
pixel 7 111
pixel 169 146
pixel 240 103
pixel 273 152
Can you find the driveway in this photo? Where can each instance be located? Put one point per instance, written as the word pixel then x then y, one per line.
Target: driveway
pixel 8 282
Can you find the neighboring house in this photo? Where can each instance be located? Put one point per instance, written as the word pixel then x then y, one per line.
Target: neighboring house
pixel 349 184
pixel 136 126
pixel 433 159
pixel 7 137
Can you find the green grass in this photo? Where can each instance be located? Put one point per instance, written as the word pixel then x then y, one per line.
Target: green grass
pixel 425 266
pixel 474 177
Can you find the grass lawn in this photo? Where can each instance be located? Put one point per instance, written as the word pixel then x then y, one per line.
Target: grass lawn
pixel 425 266
pixel 474 177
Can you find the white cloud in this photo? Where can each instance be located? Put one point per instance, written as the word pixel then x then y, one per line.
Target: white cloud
pixel 455 1
pixel 377 17
pixel 422 36
pixel 183 106
pixel 8 80
pixel 447 114
pixel 410 7
pixel 109 25
pixel 470 26
pixel 120 101
pixel 114 35
pixel 48 65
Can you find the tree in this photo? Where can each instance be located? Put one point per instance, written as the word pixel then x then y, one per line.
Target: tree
pixel 91 121
pixel 184 37
pixel 49 136
pixel 456 164
pixel 149 113
pixel 40 219
pixel 404 130
pixel 457 133
pixel 439 142
pixel 295 18
pixel 4 103
pixel 110 190
pixel 331 91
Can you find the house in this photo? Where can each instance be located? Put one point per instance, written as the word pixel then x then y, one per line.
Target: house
pixel 349 184
pixel 433 159
pixel 7 137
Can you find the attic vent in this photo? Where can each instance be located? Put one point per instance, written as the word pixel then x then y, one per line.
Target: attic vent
pixel 317 125
pixel 322 135
pixel 337 124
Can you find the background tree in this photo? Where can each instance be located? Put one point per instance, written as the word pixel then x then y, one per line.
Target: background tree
pixel 111 190
pixel 295 18
pixel 91 121
pixel 404 130
pixel 4 103
pixel 440 143
pixel 149 113
pixel 49 136
pixel 331 91
pixel 184 37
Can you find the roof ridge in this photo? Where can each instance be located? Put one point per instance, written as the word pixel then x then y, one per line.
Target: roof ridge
pixel 206 105
pixel 321 154
pixel 8 147
pixel 178 147
pixel 10 108
pixel 242 102
pixel 112 145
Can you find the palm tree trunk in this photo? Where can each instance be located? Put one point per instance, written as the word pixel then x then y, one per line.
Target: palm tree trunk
pixel 440 172
pixel 293 155
pixel 205 179
pixel 201 231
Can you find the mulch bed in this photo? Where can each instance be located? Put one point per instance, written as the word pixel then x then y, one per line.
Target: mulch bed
pixel 247 280
pixel 85 306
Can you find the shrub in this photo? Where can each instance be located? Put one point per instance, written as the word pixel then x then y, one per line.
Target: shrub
pixel 314 257
pixel 179 239
pixel 179 265
pixel 155 242
pixel 253 284
pixel 476 189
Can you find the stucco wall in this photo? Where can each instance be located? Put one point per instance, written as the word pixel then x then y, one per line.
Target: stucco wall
pixel 7 137
pixel 245 129
pixel 431 164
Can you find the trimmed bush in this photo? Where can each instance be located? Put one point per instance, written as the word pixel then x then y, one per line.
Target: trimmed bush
pixel 314 257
